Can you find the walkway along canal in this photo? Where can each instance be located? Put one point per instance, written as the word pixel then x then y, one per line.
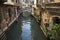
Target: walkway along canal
pixel 26 28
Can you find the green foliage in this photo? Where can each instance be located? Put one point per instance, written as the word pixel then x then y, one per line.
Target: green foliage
pixel 53 33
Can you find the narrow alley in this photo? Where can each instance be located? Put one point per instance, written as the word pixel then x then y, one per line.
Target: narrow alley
pixel 26 28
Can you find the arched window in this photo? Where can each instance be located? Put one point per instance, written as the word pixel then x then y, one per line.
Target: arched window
pixel 9 11
pixel 56 20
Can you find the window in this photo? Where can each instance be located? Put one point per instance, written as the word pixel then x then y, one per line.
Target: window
pixel 17 1
pixel 1 18
pixel 12 0
pixel 51 0
pixel 5 0
pixel 10 13
pixel 26 1
pixel 1 15
pixel 32 2
pixel 37 1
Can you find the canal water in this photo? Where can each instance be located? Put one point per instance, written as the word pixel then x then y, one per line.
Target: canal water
pixel 26 28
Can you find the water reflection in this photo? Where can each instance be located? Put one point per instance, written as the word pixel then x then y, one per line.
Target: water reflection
pixel 26 29
pixel 26 32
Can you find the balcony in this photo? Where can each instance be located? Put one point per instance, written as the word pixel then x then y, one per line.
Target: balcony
pixel 53 7
pixel 53 4
pixel 54 11
pixel 9 2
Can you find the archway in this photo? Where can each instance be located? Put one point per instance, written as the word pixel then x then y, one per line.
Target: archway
pixel 56 20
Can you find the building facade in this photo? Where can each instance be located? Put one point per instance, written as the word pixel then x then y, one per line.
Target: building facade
pixel 49 11
pixel 9 12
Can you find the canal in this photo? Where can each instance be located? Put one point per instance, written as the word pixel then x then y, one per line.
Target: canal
pixel 26 28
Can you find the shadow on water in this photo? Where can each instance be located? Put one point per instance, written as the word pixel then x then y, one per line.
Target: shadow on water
pixel 26 29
